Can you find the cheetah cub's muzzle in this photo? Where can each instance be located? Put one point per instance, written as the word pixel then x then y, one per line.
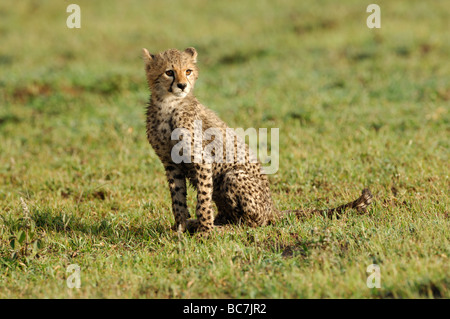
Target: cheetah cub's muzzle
pixel 180 85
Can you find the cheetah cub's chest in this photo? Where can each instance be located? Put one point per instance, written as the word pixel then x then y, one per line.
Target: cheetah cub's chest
pixel 164 126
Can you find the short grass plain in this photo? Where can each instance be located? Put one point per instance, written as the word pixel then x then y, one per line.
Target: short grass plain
pixel 356 107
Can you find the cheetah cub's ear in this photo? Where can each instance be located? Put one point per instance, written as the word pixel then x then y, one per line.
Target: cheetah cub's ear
pixel 192 52
pixel 148 58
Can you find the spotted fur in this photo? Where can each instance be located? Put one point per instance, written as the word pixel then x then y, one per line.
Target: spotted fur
pixel 239 190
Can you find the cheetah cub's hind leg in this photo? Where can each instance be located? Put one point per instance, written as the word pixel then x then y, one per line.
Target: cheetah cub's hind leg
pixel 204 210
pixel 239 199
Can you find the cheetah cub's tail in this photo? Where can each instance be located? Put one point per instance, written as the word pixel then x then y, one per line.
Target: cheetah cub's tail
pixel 360 204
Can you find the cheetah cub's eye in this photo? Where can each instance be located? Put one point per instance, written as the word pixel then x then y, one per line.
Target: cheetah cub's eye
pixel 169 73
pixel 188 72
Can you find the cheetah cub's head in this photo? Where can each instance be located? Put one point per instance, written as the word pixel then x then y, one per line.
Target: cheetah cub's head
pixel 172 73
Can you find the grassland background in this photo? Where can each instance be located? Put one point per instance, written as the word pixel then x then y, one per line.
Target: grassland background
pixel 355 106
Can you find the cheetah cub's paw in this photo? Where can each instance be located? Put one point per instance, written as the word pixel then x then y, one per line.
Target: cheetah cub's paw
pixel 179 227
pixel 194 226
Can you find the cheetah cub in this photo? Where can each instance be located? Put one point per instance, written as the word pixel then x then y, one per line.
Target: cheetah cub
pixel 238 188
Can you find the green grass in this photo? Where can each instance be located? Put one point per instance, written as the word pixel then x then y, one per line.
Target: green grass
pixel 355 107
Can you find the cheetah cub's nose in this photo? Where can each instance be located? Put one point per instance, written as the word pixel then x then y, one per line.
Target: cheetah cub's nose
pixel 182 86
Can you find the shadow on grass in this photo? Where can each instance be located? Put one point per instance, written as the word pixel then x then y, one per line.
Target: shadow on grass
pixel 115 231
pixel 82 235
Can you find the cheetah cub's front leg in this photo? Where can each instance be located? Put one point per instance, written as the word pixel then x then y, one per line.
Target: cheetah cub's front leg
pixel 178 192
pixel 204 210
